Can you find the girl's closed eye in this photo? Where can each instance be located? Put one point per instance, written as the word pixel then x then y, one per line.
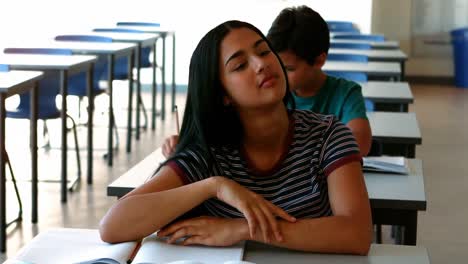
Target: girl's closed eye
pixel 265 52
pixel 239 66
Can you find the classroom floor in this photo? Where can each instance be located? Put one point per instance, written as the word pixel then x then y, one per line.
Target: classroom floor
pixel 441 112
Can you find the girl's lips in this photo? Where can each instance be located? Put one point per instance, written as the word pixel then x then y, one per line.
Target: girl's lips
pixel 268 81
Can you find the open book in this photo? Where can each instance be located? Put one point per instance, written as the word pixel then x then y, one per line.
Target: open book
pixel 84 246
pixel 386 164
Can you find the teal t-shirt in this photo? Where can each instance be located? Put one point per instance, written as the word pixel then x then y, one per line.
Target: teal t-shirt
pixel 339 97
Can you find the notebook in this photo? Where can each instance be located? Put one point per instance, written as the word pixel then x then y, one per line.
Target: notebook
pixel 84 246
pixel 385 164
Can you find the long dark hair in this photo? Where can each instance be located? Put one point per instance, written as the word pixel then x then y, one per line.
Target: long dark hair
pixel 207 121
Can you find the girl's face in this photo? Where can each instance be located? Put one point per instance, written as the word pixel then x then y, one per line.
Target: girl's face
pixel 250 72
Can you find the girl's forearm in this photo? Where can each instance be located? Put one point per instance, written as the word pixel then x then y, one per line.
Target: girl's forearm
pixel 334 234
pixel 137 216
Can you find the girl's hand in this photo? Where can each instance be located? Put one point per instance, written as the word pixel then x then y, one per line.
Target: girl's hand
pixel 257 210
pixel 205 230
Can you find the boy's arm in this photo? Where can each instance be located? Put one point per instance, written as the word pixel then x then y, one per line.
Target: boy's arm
pixel 362 132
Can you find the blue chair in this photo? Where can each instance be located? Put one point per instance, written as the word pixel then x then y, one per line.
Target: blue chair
pixel 122 63
pixel 361 46
pixel 49 88
pixel 347 57
pixel 138 24
pixel 78 85
pixel 369 37
pixel 342 26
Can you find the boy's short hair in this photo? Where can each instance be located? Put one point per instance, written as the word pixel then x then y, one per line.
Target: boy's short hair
pixel 302 31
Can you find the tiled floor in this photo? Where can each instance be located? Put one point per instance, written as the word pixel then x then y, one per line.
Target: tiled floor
pixel 442 114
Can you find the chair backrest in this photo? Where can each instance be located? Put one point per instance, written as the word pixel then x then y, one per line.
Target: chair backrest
pixel 347 57
pixel 44 51
pixel 138 24
pixel 340 24
pixel 89 38
pixel 370 37
pixel 122 30
pixel 353 76
pixel 4 68
pixel 345 30
pixel 362 46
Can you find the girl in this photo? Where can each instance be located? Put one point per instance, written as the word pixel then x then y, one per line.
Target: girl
pixel 286 177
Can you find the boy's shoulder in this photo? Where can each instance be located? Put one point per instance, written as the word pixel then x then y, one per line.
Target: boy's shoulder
pixel 344 84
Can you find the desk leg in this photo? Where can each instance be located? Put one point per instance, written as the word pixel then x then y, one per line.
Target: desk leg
pixel 154 90
pixel 138 93
pixel 110 154
pixel 33 146
pixel 130 102
pixel 411 229
pixel 2 174
pixel 90 94
pixel 173 72
pixel 411 153
pixel 63 115
pixel 163 75
pixel 402 76
pixel 404 108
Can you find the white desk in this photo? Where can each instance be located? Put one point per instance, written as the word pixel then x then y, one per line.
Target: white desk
pixel 75 244
pixel 378 254
pixel 395 55
pixel 373 44
pixel 112 51
pixel 397 130
pixel 397 199
pixel 388 96
pixel 65 65
pixel 11 83
pixel 390 70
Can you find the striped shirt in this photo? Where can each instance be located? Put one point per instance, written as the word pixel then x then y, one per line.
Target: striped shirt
pixel 319 144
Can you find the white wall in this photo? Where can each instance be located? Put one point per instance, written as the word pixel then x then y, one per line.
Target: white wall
pixel 29 20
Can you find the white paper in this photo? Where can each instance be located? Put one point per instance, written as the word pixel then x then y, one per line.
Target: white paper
pixel 68 245
pixel 386 164
pixel 157 251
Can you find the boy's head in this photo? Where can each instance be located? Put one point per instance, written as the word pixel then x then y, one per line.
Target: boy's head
pixel 302 39
pixel 302 31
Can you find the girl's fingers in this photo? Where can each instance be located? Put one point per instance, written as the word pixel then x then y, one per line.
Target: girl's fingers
pixel 272 222
pixel 282 214
pixel 251 221
pixel 195 240
pixel 263 223
pixel 183 232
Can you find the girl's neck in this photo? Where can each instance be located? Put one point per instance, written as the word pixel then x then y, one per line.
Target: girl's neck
pixel 267 130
